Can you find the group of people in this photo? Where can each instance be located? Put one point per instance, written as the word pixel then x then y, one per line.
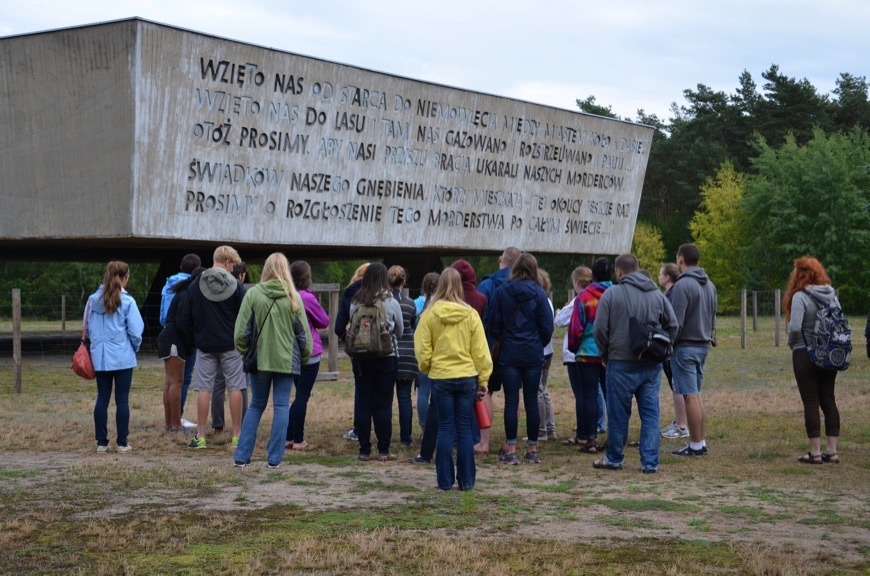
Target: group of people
pixel 459 342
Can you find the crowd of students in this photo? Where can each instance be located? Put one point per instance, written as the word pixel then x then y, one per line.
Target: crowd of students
pixel 459 342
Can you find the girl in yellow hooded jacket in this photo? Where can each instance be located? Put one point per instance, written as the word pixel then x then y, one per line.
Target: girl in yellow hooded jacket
pixel 451 349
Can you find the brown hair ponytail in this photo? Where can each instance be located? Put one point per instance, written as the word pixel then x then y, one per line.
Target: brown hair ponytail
pixel 113 283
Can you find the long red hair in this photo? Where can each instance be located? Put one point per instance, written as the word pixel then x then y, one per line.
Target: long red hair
pixel 807 271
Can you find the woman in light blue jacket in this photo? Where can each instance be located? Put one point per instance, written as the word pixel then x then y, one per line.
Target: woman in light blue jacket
pixel 115 331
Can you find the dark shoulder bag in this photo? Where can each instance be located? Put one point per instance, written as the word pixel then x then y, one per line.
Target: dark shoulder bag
pixel 647 340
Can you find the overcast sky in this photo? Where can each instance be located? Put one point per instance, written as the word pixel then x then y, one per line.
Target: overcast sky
pixel 629 54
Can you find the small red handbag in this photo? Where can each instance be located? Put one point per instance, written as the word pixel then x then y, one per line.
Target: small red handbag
pixel 81 362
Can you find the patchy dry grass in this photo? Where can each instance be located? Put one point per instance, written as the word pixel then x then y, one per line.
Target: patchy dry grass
pixel 748 508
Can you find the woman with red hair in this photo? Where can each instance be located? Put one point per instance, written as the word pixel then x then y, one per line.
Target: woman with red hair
pixel 809 288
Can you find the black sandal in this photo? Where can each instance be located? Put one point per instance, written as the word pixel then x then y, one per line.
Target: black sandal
pixel 832 458
pixel 810 458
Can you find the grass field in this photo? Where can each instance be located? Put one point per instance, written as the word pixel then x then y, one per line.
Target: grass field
pixel 747 508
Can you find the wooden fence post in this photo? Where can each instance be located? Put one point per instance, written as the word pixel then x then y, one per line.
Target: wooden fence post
pixel 776 314
pixel 16 339
pixel 754 311
pixel 332 340
pixel 63 313
pixel 743 319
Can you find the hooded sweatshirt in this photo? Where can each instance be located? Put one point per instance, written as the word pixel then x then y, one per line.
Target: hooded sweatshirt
pixel 612 318
pixel 693 297
pixel 167 294
pixel 450 343
pixel 583 321
pixel 803 313
pixel 284 342
pixel 208 318
pixel 115 336
pixel 343 316
pixel 473 297
pixel 520 314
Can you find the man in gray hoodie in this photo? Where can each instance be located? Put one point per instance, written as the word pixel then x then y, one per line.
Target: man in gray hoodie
pixel 627 376
pixel 693 296
pixel 208 322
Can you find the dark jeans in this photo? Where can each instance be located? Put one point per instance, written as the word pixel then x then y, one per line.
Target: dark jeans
pixel 454 399
pixel 816 387
pixel 374 380
pixel 430 432
pixel 189 365
pixel 406 411
pixel 527 378
pixel 589 378
pixel 122 380
pixel 299 408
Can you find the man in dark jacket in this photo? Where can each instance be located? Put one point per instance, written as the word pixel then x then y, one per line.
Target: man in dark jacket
pixel 694 299
pixel 627 376
pixel 208 322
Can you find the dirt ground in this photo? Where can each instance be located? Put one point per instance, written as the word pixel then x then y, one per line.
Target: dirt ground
pixel 739 513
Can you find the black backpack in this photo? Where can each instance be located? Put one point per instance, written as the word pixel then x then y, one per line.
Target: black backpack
pixel 648 341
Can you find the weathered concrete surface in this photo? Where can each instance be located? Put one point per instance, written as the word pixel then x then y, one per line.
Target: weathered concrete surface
pixel 136 133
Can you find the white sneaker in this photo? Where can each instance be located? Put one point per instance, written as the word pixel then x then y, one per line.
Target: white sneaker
pixel 124 449
pixel 103 449
pixel 187 423
pixel 667 428
pixel 675 432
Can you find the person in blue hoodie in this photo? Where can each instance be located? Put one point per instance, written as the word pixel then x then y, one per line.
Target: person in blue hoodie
pixel 189 263
pixel 519 315
pixel 114 327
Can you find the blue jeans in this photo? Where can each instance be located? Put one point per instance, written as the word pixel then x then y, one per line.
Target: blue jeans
pixel 406 411
pixel 374 380
pixel 527 378
pixel 262 384
pixel 122 379
pixel 602 410
pixel 687 368
pixel 424 390
pixel 299 408
pixel 455 399
pixel 189 365
pixel 641 380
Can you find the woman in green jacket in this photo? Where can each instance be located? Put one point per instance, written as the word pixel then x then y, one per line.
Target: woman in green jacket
pixel 273 317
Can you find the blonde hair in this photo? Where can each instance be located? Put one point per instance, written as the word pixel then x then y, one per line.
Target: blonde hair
pixel 224 254
pixel 449 288
pixel 581 275
pixel 359 272
pixel 113 284
pixel 544 280
pixel 278 268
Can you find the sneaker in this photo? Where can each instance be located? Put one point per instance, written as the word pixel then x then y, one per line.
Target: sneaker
pixel 649 470
pixel 197 443
pixel 533 457
pixel 238 464
pixel 687 450
pixel 103 449
pixel 419 460
pixel 363 457
pixel 669 427
pixel 271 466
pixel 235 442
pixel 386 457
pixel 187 423
pixel 673 432
pixel 351 435
pixel 124 449
pixel 511 459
